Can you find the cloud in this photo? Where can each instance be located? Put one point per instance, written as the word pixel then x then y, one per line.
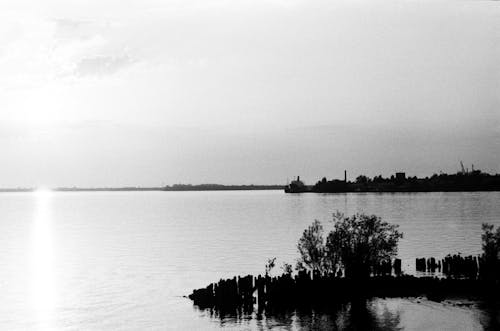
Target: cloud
pixel 35 51
pixel 69 24
pixel 91 125
pixel 66 29
pixel 102 65
pixel 89 47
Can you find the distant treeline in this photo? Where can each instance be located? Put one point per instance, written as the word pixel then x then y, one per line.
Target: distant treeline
pixel 462 181
pixel 101 189
pixel 179 187
pixel 19 189
pixel 175 187
pixel 219 187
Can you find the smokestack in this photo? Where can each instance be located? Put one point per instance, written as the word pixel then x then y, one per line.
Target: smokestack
pixel 345 176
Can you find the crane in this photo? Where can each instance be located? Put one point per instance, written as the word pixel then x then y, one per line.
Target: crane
pixel 462 166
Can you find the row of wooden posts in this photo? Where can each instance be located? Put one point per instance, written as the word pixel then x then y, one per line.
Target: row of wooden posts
pixel 243 294
pixel 468 275
pixel 452 266
pixel 263 290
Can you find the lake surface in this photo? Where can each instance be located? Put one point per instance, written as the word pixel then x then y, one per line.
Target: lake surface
pixel 123 260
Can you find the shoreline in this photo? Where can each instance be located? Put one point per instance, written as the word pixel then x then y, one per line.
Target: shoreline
pixel 184 188
pixel 270 188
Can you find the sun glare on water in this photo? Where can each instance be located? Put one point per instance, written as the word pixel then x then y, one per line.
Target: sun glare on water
pixel 43 290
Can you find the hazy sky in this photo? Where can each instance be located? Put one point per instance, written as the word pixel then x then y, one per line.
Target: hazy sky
pixel 150 92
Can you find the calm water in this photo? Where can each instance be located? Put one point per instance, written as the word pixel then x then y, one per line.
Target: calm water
pixel 123 260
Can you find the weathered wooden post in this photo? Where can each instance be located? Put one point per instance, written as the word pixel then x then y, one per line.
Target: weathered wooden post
pixel 397 267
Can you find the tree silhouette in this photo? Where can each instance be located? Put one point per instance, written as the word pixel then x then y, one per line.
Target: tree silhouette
pixel 312 250
pixel 356 245
pixel 491 251
pixel 361 242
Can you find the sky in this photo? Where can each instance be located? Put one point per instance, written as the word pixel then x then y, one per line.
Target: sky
pixel 146 92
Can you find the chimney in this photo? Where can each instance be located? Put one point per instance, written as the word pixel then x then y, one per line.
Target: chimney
pixel 345 176
pixel 298 178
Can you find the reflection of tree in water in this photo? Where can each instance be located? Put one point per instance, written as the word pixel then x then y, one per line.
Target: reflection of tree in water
pixel 366 316
pixel 490 315
pixel 282 320
pixel 356 315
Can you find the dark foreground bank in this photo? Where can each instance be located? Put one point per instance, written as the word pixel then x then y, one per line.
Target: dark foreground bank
pixel 303 291
pixel 472 277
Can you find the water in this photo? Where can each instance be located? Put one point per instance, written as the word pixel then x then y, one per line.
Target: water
pixel 123 260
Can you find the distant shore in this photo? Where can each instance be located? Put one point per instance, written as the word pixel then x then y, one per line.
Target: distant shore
pixel 173 188
pixel 463 181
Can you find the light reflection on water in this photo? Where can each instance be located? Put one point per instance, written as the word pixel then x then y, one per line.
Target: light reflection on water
pixel 42 277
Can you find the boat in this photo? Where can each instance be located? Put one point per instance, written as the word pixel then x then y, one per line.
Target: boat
pixel 297 186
